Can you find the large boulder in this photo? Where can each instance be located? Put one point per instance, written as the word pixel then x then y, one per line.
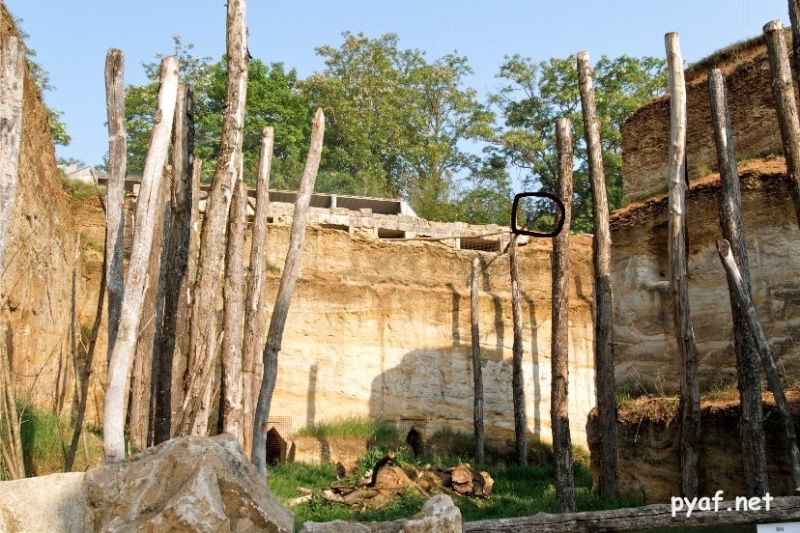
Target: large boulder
pixel 438 515
pixel 42 504
pixel 185 484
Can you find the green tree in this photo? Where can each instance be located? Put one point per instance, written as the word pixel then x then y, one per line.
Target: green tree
pixel 395 121
pixel 536 94
pixel 489 197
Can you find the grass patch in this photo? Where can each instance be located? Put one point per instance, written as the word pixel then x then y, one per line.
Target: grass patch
pixel 79 190
pixel 376 431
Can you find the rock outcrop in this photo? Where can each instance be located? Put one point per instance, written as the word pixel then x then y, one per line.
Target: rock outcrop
pixel 438 515
pixel 54 503
pixel 185 484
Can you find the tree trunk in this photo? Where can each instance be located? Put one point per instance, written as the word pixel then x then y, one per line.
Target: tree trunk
pixel 148 209
pixel 291 268
pixel 115 189
pixel 559 353
pixel 794 20
pixel 11 446
pixel 477 371
pixel 679 288
pixel 205 327
pixel 736 283
pixel 517 379
pixel 785 105
pixel 603 305
pixel 647 518
pixel 141 380
pixel 181 250
pixel 12 74
pixel 256 302
pixel 751 429
pixel 233 320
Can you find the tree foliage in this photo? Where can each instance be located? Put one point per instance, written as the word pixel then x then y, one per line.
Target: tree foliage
pixel 537 93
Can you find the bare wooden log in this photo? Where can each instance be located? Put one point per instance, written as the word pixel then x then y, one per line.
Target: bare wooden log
pixel 12 74
pixel 256 302
pixel 559 353
pixel 678 276
pixel 643 518
pixel 144 357
pixel 603 305
pixel 233 320
pixel 517 380
pixel 291 269
pixel 785 105
pixel 477 372
pixel 736 283
pixel 178 248
pixel 148 209
pixel 10 447
pixel 751 428
pixel 794 20
pixel 115 188
pixel 205 328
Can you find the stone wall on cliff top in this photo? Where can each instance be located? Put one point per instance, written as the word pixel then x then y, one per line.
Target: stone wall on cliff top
pixel 645 135
pixel 38 262
pixel 645 349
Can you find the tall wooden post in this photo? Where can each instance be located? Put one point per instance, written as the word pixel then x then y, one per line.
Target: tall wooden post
pixel 751 429
pixel 148 209
pixel 477 371
pixel 255 305
pixel 517 379
pixel 754 324
pixel 559 386
pixel 785 105
pixel 205 328
pixel 794 20
pixel 678 278
pixel 115 190
pixel 291 269
pixel 603 305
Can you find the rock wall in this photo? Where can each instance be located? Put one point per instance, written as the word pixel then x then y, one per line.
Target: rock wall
pixel 645 135
pixel 645 349
pixel 39 261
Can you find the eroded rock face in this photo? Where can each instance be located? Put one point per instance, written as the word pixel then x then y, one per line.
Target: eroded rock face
pixel 438 515
pixel 41 504
pixel 186 484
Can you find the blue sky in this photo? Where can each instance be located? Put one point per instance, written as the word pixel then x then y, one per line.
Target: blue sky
pixel 71 38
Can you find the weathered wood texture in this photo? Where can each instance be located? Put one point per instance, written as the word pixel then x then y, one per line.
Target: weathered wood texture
pixel 205 327
pixel 785 104
pixel 12 75
pixel 477 371
pixel 148 209
pixel 751 428
pixel 794 20
pixel 256 297
pixel 517 380
pixel 11 456
pixel 603 305
pixel 678 276
pixel 115 188
pixel 639 518
pixel 559 352
pixel 736 283
pixel 178 247
pixel 233 319
pixel 291 269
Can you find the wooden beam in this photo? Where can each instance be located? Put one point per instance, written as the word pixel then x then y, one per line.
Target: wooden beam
pixel 477 371
pixel 517 379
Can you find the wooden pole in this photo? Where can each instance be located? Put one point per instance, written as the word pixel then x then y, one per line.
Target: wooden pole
pixel 115 189
pixel 794 20
pixel 256 303
pixel 785 105
pixel 291 269
pixel 647 518
pixel 559 391
pixel 603 305
pixel 178 247
pixel 233 319
pixel 736 283
pixel 477 371
pixel 205 328
pixel 751 429
pixel 12 75
pixel 678 279
pixel 517 379
pixel 148 209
